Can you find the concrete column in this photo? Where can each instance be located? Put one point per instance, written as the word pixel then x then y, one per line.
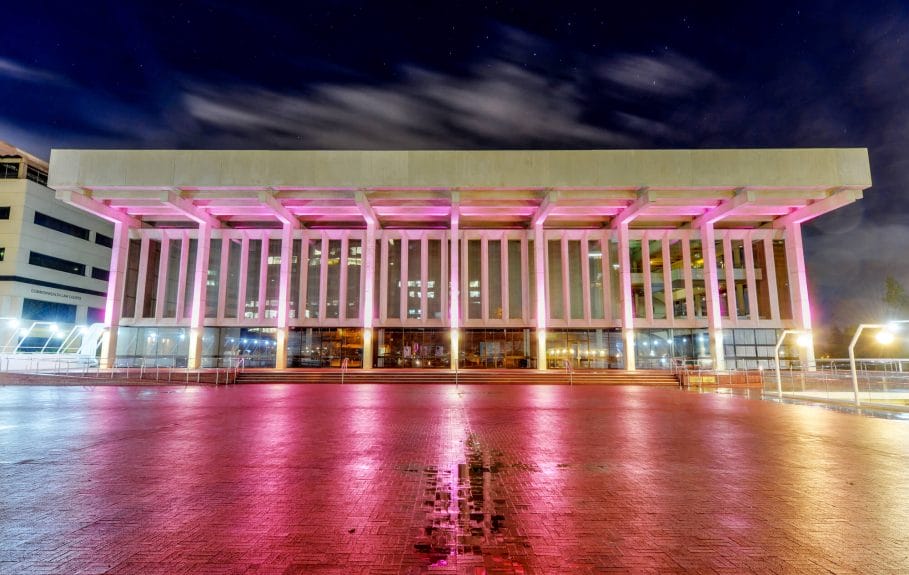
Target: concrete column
pixel 454 297
pixel 282 331
pixel 625 297
pixel 114 305
pixel 369 297
pixel 714 318
pixel 539 278
pixel 798 287
pixel 200 281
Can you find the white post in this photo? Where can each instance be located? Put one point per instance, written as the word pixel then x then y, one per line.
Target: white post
pixel 200 281
pixel 115 288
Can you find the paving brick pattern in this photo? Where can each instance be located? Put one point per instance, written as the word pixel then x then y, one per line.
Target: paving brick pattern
pixel 330 479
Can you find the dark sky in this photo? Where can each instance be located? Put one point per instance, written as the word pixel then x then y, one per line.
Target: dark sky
pixel 455 75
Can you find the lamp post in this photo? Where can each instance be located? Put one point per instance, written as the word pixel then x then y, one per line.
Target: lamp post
pixel 804 338
pixel 884 336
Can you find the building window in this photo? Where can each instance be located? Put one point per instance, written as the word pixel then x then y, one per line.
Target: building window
pixel 61 226
pixel 36 175
pixel 58 264
pixel 48 311
pixel 9 170
pixel 100 274
pixel 103 240
pixel 4 213
pixel 2 254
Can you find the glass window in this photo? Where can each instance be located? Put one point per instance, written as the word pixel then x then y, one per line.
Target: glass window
pixel 554 255
pixel 132 278
pixel 393 301
pixel 173 278
pixel 151 279
pixel 313 276
pixel 4 211
pixel 293 294
pixel 615 284
pixel 103 240
pixel 782 279
pixel 253 272
pixel 595 271
pixel 575 285
pixel 742 303
pixel 53 223
pixel 38 310
pixel 515 280
pixel 494 278
pixel 232 293
pixel 474 259
pixel 272 279
pixel 657 280
pixel 532 278
pixel 213 279
pixel 354 265
pixel 333 286
pixel 414 280
pixel 698 285
pixel 434 284
pixel 721 278
pixel 190 274
pixel 677 275
pixel 59 264
pixel 637 279
pixel 97 273
pixel 760 278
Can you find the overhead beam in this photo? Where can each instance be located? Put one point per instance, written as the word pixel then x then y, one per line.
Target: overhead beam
pixel 546 206
pixel 97 208
pixel 279 210
pixel 742 197
pixel 625 217
pixel 836 200
pixel 369 214
pixel 190 210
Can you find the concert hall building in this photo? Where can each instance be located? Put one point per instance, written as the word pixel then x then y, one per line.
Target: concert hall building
pixel 430 259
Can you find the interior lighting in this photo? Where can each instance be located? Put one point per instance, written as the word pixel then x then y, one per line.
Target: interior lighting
pixel 13 323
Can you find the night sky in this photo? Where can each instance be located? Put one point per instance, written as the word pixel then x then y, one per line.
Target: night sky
pixel 460 75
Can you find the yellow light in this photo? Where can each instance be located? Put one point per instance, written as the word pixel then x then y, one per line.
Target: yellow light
pixel 803 340
pixel 884 337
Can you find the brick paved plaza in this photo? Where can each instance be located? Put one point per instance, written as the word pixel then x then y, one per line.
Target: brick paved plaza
pixel 412 479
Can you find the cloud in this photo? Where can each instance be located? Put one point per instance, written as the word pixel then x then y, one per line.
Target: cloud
pixel 667 75
pixel 11 69
pixel 497 104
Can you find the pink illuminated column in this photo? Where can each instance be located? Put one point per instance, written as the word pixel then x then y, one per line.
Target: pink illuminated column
pixel 714 318
pixel 798 282
pixel 113 307
pixel 539 278
pixel 200 281
pixel 625 297
pixel 454 298
pixel 281 333
pixel 369 286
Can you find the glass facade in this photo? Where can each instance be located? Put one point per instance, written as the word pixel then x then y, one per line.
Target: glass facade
pixel 581 285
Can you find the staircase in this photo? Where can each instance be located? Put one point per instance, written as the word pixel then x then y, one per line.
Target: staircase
pixel 470 376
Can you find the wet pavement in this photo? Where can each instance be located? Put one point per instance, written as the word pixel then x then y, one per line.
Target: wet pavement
pixel 412 479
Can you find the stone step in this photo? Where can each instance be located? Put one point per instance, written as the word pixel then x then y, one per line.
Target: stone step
pixel 498 377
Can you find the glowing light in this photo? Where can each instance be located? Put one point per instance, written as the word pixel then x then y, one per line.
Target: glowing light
pixel 13 323
pixel 54 328
pixel 83 329
pixel 885 337
pixel 803 340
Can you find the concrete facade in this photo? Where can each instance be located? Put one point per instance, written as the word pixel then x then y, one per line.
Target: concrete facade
pixel 457 259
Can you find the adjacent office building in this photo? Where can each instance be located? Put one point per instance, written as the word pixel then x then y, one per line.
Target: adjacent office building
pixel 509 259
pixel 54 259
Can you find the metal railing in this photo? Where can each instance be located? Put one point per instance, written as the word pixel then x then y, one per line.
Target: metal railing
pixel 881 382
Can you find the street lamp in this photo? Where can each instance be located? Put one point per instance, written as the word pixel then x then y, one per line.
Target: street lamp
pixel 884 336
pixel 803 339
